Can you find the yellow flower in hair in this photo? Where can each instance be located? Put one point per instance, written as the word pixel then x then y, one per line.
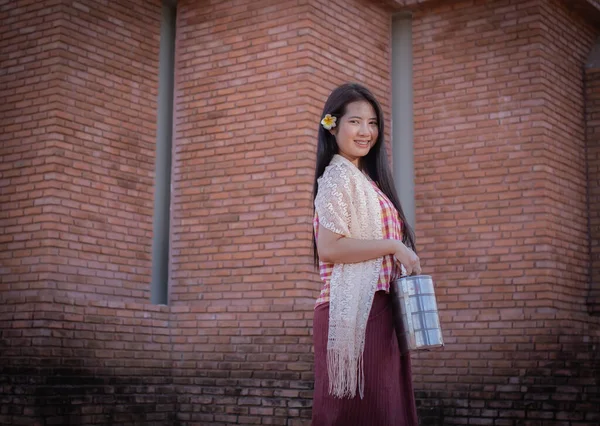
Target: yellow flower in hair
pixel 328 122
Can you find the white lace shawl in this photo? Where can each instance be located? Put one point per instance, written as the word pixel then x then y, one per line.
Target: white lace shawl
pixel 347 204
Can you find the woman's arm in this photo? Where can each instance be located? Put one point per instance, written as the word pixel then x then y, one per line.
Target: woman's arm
pixel 335 248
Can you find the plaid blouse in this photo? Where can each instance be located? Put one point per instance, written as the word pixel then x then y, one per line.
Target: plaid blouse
pixel 390 269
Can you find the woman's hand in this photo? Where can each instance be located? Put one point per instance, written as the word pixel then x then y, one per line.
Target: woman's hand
pixel 408 259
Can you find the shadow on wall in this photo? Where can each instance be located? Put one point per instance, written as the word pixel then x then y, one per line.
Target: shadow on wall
pixel 69 395
pixel 563 387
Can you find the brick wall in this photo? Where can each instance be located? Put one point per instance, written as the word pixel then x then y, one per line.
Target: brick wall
pixel 78 147
pixel 28 134
pixel 500 184
pixel 592 93
pixel 567 40
pixel 103 195
pixel 241 172
pixel 78 92
pixel 242 285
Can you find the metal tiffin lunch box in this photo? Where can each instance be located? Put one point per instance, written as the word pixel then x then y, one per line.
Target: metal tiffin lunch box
pixel 416 318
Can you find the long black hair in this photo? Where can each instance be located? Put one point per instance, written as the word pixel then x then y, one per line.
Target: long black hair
pixel 375 163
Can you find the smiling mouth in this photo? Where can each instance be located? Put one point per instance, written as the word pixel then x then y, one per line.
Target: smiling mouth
pixel 363 143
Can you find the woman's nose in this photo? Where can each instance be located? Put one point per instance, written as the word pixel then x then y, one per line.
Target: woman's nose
pixel 363 129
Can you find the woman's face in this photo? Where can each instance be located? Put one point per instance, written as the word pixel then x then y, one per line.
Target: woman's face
pixel 357 131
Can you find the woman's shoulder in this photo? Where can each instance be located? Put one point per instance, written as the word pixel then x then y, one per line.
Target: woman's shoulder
pixel 339 179
pixel 339 168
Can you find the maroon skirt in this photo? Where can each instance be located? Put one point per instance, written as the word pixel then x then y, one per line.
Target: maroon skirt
pixel 389 398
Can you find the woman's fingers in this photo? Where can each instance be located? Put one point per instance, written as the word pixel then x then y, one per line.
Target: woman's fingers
pixel 417 270
pixel 409 260
pixel 415 266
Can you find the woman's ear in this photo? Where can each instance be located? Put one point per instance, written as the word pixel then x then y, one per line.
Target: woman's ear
pixel 333 131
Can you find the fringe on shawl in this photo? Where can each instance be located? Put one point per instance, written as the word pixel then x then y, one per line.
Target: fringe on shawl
pixel 346 373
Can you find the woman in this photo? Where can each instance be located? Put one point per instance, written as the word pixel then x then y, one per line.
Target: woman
pixel 361 243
